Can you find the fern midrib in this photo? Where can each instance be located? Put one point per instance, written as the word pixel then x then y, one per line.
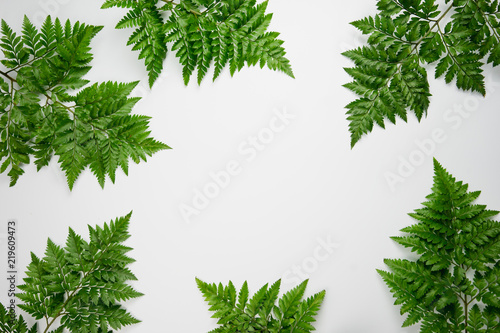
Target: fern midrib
pixel 462 296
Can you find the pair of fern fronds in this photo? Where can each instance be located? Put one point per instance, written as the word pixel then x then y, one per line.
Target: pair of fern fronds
pixel 41 116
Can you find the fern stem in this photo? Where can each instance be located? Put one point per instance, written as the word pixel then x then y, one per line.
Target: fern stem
pixel 466 310
pixel 6 74
pixel 436 24
pixel 177 4
pixel 31 61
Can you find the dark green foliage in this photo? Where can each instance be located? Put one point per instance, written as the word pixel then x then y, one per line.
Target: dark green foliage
pixel 236 312
pixel 454 286
pixel 41 116
pixel 9 323
pixel 82 283
pixel 223 32
pixel 389 76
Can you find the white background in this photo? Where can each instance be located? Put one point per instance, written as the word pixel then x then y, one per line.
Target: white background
pixel 304 187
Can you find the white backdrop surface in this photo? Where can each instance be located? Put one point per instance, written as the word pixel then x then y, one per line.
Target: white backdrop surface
pixel 302 205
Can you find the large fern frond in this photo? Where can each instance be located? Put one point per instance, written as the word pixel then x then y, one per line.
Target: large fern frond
pixel 83 283
pixel 389 74
pixel 225 33
pixel 458 266
pixel 40 116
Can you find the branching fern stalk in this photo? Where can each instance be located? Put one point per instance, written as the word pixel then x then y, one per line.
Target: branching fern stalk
pixel 237 313
pixel 79 287
pixel 454 286
pixel 202 32
pixel 41 117
pixel 458 36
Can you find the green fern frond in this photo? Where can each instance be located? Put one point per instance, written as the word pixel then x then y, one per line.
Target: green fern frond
pixel 239 314
pixel 220 32
pixel 10 323
pixel 455 241
pixel 40 116
pixel 83 283
pixel 388 75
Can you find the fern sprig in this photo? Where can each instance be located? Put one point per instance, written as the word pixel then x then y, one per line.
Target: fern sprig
pixel 390 76
pixel 237 313
pixel 83 283
pixel 220 32
pixel 458 269
pixel 40 116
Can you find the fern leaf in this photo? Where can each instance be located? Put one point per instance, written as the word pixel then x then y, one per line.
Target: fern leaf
pixel 289 303
pixel 40 115
pixel 387 88
pixel 203 33
pixel 83 283
pixel 12 47
pixel 243 296
pixel 453 239
pixel 31 37
pixel 256 314
pixel 406 34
